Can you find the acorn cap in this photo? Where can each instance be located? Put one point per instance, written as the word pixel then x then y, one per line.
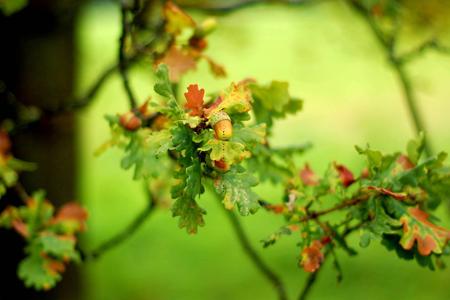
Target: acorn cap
pixel 218 116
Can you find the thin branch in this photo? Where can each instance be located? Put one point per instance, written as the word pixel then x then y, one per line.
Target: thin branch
pixel 313 215
pixel 255 258
pixel 224 8
pixel 127 232
pixel 122 57
pixel 396 64
pixel 101 80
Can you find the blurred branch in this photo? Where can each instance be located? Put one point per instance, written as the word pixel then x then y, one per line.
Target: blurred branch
pixel 255 258
pixel 432 44
pixel 216 7
pixel 122 57
pixel 95 88
pixel 123 235
pixel 398 66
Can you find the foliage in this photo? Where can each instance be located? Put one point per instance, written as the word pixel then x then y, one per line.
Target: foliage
pixel 50 238
pixel 386 202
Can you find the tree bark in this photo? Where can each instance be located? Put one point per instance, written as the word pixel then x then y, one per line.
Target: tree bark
pixel 37 68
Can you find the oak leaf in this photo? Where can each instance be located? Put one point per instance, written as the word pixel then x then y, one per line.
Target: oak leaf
pixel 176 19
pixel 194 100
pixel 308 176
pixel 430 238
pixel 178 61
pixel 312 257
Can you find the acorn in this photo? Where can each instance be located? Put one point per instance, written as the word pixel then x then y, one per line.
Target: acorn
pixel 198 43
pixel 130 121
pixel 221 165
pixel 221 123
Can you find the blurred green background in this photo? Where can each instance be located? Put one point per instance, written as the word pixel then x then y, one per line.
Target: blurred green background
pixel 352 97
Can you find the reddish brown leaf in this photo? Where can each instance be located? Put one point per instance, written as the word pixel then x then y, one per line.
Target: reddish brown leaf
pixel 365 173
pixel 312 257
pixel 398 196
pixel 216 69
pixel 178 62
pixel 276 208
pixel 417 228
pixel 405 162
pixel 194 100
pixel 72 212
pixel 293 227
pixel 176 19
pixel 308 176
pixel 325 240
pixel 345 175
pixel 20 227
pixel 55 267
pixel 213 106
pixel 5 143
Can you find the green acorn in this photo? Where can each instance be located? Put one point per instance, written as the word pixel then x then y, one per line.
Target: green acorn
pixel 221 123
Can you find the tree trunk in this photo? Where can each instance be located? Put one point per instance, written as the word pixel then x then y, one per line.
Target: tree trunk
pixel 37 68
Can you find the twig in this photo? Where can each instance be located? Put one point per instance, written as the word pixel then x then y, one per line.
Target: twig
pixel 127 232
pixel 313 215
pixel 398 66
pixel 122 57
pixel 255 258
pixel 95 88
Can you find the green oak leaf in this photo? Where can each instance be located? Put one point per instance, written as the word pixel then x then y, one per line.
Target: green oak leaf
pixel 34 271
pixel 189 185
pixel 249 135
pixel 190 214
pixel 415 148
pixel 236 99
pixel 58 246
pixel 235 188
pixel 228 151
pixel 11 6
pixel 163 87
pixel 273 101
pixel 144 151
pixel 418 230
